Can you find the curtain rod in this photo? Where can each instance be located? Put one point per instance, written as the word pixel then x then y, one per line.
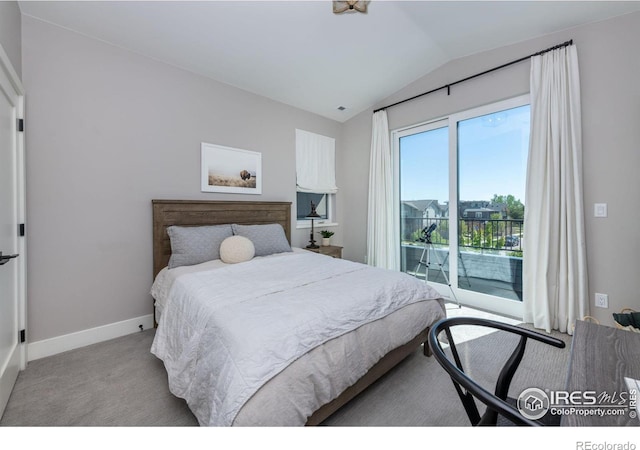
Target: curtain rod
pixel 448 86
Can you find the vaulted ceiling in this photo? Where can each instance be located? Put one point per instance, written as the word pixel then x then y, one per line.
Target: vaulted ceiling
pixel 301 54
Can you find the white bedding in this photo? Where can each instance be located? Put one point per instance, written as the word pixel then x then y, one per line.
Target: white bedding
pixel 165 278
pixel 227 331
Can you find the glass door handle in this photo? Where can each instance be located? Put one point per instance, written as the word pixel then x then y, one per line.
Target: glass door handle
pixel 6 258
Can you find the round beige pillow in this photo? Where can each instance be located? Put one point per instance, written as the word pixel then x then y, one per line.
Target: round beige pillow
pixel 236 249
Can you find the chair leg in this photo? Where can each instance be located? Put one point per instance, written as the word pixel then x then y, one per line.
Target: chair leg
pixel 426 349
pixel 490 417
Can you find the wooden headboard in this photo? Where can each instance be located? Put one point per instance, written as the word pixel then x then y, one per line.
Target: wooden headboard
pixel 207 212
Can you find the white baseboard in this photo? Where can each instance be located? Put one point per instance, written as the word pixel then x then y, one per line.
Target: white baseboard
pixel 59 344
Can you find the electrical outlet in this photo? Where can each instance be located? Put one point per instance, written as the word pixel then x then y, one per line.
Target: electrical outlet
pixel 602 300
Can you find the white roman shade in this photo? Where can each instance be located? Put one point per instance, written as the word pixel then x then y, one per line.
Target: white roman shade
pixel 315 163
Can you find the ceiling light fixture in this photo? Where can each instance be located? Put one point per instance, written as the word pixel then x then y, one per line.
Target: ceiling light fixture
pixel 340 7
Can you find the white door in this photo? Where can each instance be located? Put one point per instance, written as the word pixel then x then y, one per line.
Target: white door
pixel 12 271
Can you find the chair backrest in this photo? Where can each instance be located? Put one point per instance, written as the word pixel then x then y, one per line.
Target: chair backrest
pixel 467 388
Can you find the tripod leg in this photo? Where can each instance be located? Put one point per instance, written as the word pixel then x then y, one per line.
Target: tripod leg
pixel 453 294
pixel 427 263
pixel 421 262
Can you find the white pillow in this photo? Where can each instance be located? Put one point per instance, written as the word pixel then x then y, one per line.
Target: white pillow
pixel 236 249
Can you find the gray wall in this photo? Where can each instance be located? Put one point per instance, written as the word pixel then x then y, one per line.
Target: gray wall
pixel 610 70
pixel 10 33
pixel 107 131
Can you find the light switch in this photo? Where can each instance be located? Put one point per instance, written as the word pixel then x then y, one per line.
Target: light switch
pixel 600 210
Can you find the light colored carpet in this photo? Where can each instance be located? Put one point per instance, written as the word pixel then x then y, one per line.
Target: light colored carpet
pixel 120 383
pixel 113 383
pixel 418 392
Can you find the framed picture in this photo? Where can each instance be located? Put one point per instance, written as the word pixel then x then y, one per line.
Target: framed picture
pixel 230 170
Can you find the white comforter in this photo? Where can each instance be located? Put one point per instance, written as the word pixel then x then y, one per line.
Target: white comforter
pixel 224 333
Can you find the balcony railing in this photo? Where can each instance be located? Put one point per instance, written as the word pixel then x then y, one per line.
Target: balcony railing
pixel 489 255
pixel 478 234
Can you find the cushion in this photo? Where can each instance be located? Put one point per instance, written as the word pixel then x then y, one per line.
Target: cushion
pixel 236 249
pixel 195 245
pixel 267 239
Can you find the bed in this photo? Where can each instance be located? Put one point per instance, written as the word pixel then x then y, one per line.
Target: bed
pixel 285 338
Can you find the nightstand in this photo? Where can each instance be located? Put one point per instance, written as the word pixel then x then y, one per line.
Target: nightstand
pixel 329 250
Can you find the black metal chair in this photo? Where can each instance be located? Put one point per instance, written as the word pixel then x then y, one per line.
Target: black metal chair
pixel 498 406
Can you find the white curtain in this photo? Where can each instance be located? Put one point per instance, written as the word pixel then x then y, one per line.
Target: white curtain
pixel 383 239
pixel 315 163
pixel 555 288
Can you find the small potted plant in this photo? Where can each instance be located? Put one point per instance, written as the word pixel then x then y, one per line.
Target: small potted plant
pixel 326 237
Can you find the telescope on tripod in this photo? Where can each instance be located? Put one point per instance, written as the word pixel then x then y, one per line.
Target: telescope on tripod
pixel 425 258
pixel 426 233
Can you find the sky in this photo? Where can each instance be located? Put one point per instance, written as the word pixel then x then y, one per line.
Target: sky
pixel 492 159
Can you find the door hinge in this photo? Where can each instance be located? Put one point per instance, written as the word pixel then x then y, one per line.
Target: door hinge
pixel 21 229
pixel 20 124
pixel 23 336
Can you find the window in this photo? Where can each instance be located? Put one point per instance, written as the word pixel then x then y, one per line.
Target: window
pixel 315 178
pixel 320 201
pixel 463 178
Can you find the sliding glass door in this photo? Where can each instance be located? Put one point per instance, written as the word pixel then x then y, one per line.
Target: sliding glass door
pixel 461 185
pixel 424 200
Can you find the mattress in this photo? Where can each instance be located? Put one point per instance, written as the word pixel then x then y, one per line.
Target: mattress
pixel 269 341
